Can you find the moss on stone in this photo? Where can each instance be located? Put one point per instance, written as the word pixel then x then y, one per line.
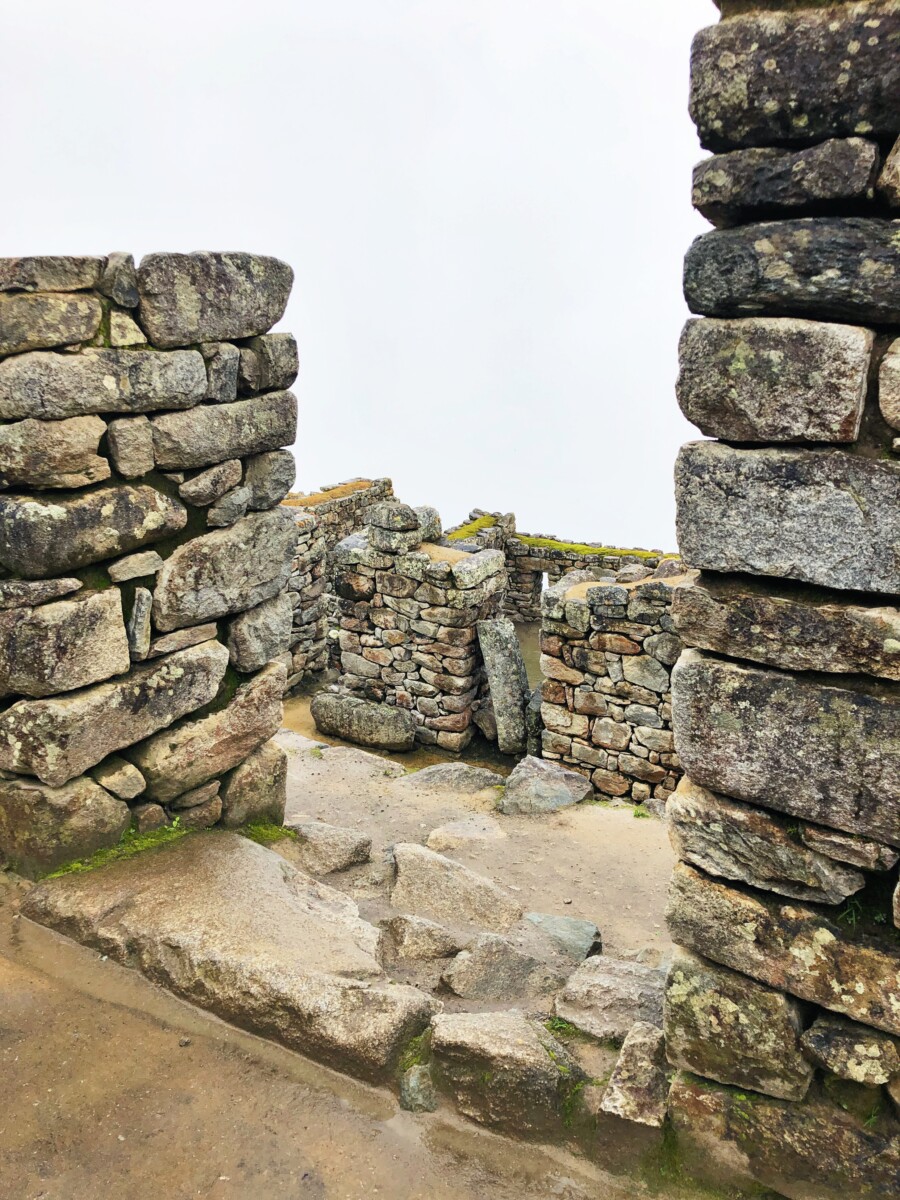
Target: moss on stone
pixel 471 528
pixel 266 833
pixel 132 843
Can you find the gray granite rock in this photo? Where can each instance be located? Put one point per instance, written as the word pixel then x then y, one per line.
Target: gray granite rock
pixel 52 454
pixel 118 777
pixel 125 331
pixel 118 280
pixel 210 485
pixel 35 320
pixel 459 778
pixel 41 536
pixel 888 186
pixel 419 939
pixel 852 1051
pixel 232 506
pixel 417 1093
pixel 507 679
pixel 50 273
pixel 268 363
pixel 138 624
pixel 391 515
pixel 364 722
pixel 639 1085
pixel 130 441
pixel 540 786
pixel 181 639
pixel 269 477
pixel 773 379
pixel 605 996
pixel 222 364
pixel 256 790
pixel 212 433
pixel 849 848
pixel 197 798
pixel 577 938
pixel 260 634
pixel 889 385
pixel 321 848
pixel 19 593
pixel 208 297
pixel 430 884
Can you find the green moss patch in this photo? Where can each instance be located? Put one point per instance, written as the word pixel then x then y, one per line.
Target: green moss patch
pixel 132 843
pixel 471 528
pixel 584 548
pixel 265 833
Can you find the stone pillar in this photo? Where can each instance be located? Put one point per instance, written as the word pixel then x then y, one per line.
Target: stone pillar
pixel 786 709
pixel 143 613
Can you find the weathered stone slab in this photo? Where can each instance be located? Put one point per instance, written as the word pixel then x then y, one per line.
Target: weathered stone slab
pixel 798 629
pixel 638 1087
pixel 210 485
pixel 198 798
pixel 321 848
pixel 419 939
pixel 147 817
pixel 61 646
pixel 52 454
pixel 787 946
pixel 256 790
pixel 537 785
pixel 135 566
pixel 575 937
pixel 793 77
pixel 211 433
pixel 737 841
pixel 813 1150
pixel 200 749
pixel 130 442
pixel 605 996
pixel 50 273
pixel 774 379
pixel 124 330
pixel 840 765
pixel 493 969
pixel 181 639
pixel 507 680
pixel 458 778
pixel 726 1027
pixel 477 828
pixel 33 320
pixel 231 926
pixel 363 721
pixel 230 508
pixel 430 884
pixel 828 268
pixel 889 385
pixel 118 777
pixel 852 1051
pixel 208 297
pixel 42 828
pixel 53 386
pixel 888 186
pixel 269 477
pixel 820 516
pixel 48 536
pixel 745 185
pixel 138 624
pixel 846 847
pixel 225 571
pixel 59 737
pixel 260 634
pixel 18 593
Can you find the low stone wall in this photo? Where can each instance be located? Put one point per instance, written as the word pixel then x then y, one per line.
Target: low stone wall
pixel 339 507
pixel 144 554
pixel 607 649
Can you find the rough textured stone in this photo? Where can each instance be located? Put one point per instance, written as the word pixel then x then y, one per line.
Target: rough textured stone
pixel 43 827
pixel 230 508
pixel 211 484
pixel 841 768
pixel 52 454
pixel 392 515
pixel 225 571
pixel 457 777
pixel 125 331
pixel 47 536
pixel 60 737
pixel 798 629
pixel 136 566
pixel 820 516
pixel 118 777
pixel 766 78
pixel 507 678
pixel 198 798
pixel 321 848
pixel 852 1051
pixel 209 297
pixel 147 817
pixel 119 279
pixel 430 884
pixel 211 433
pixel 787 946
pixel 417 1092
pixel 61 646
pixel 493 969
pixel 363 722
pixel 19 593
pixel 53 386
pixel 31 321
pixel 571 935
pixel 829 268
pixel 539 786
pixel 605 996
pixel 847 848
pixel 138 625
pixel 638 1087
pixel 420 939
pixel 50 273
pixel 222 366
pixel 771 379
pixel 737 841
pixel 203 815
pixel 888 186
pixel 260 634
pixel 726 1027
pixel 748 184
pixel 477 828
pixel 889 385
pixel 130 441
pixel 199 749
pixel 256 790
pixel 269 477
pixel 181 639
pixel 269 363
pixel 229 925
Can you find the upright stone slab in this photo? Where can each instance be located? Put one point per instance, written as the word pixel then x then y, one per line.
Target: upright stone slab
pixel 507 680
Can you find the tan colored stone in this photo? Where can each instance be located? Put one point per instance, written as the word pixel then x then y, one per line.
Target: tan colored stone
pixel 31 321
pixel 52 454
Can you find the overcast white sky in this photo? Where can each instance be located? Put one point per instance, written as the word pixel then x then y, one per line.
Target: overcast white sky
pixel 486 204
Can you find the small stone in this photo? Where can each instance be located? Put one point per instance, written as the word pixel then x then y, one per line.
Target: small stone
pixel 437 886
pixel 646 672
pixel 391 515
pixel 139 624
pixel 124 331
pixel 119 777
pixel 131 446
pixel 417 1092
pixel 119 280
pixel 147 817
pixel 459 778
pixel 201 816
pixel 211 433
pixel 324 848
pixel 181 639
pixel 539 786
pixel 429 522
pixel 135 566
pixel 888 186
pixel 420 939
pixel 852 1051
pixel 638 1087
pixel 269 477
pixel 22 593
pixel 577 938
pixel 493 969
pixel 229 509
pixel 363 722
pixel 196 796
pixel 210 485
pixel 889 385
pixel 32 321
pixel 256 790
pixel 604 997
pixel 477 828
pixel 52 454
pixel 222 365
pixel 269 363
pixel 49 273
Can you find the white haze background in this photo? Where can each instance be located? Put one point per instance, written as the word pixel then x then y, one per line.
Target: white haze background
pixel 485 202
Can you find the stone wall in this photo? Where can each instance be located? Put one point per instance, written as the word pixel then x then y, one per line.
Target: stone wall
pixel 786 1000
pixel 607 650
pixel 339 507
pixel 144 555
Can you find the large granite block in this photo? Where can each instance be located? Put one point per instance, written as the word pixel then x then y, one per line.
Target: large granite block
pixel 212 433
pixel 52 454
pixel 34 320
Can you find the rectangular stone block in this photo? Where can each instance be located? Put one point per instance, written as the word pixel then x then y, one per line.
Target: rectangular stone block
pixel 821 516
pixel 772 379
pixel 828 754
pixel 34 320
pixel 52 454
pixel 212 433
pixel 50 273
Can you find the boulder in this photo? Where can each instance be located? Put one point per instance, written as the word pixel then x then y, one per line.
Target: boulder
pixel 391 515
pixel 321 849
pixel 839 766
pixel 209 297
pixel 53 386
pixel 42 536
pixel 24 593
pixel 31 321
pixel 260 634
pixel 200 749
pixel 50 273
pixel 458 778
pixel 638 1087
pixel 605 996
pixel 507 679
pixel 229 925
pixel 430 884
pixel 63 645
pixel 572 936
pixel 726 1027
pixel 130 441
pixel 118 777
pixel 211 433
pixel 42 827
pixel 537 785
pixel 363 721
pixel 771 379
pixel 256 790
pixel 788 946
pixel 493 969
pixel 52 454
pixel 852 1051
pixel 269 477
pixel 59 737
pixel 225 571
pixel 477 828
pixel 420 939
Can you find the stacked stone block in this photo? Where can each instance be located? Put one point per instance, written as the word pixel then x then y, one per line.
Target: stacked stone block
pixel 144 556
pixel 785 709
pixel 607 650
pixel 340 507
pixel 307 587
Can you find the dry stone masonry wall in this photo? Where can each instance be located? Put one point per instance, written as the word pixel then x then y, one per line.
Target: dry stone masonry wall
pixel 783 1011
pixel 144 620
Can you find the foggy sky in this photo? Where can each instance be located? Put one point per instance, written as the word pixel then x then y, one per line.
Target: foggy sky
pixel 485 202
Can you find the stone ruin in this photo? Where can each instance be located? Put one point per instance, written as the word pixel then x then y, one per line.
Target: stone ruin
pixel 144 554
